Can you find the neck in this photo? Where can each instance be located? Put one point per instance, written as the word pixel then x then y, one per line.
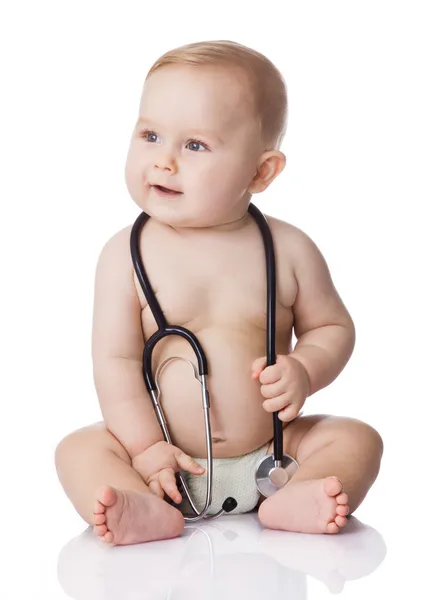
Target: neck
pixel 227 226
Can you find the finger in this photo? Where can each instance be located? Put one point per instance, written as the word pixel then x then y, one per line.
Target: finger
pixel 272 390
pixel 288 414
pixel 258 366
pixel 168 483
pixel 276 403
pixel 156 489
pixel 187 463
pixel 271 374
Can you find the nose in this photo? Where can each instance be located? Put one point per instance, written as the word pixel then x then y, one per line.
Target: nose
pixel 165 161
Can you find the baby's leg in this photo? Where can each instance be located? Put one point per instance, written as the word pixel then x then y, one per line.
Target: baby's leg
pixel 339 459
pixel 96 473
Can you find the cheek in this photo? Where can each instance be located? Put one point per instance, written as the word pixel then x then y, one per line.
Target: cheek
pixel 213 177
pixel 229 182
pixel 134 166
pixel 135 179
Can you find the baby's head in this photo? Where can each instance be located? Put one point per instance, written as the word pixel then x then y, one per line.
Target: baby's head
pixel 211 121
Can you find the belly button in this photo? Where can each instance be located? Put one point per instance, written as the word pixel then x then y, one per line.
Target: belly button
pixel 215 440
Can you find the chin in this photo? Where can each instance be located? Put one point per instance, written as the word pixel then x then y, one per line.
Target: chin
pixel 171 214
pixel 172 220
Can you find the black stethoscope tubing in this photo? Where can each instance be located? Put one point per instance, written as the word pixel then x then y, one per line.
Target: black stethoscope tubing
pixel 164 329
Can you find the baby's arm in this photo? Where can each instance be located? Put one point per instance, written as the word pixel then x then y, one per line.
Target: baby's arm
pixel 323 327
pixel 117 347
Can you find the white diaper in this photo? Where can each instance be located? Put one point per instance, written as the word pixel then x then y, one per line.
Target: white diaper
pixel 233 477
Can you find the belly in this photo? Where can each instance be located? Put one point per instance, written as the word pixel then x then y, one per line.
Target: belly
pixel 239 424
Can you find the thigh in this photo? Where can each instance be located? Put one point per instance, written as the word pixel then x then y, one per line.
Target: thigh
pixel 310 433
pixel 94 436
pixel 295 431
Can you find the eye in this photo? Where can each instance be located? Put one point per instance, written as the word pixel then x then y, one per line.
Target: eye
pixel 147 135
pixel 197 143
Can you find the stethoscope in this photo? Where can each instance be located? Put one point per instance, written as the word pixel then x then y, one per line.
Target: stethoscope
pixel 273 471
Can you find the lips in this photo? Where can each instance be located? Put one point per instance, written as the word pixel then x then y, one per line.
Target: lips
pixel 165 190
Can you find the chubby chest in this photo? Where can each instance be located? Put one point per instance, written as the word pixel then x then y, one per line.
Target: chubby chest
pixel 212 281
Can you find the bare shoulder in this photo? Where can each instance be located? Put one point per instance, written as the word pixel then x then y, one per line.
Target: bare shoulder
pixel 115 262
pixel 292 242
pixel 282 229
pixel 317 302
pixel 304 262
pixel 118 245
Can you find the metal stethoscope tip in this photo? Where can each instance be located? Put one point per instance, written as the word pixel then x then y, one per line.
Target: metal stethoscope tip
pixel 272 475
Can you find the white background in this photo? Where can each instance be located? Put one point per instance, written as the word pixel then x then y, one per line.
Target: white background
pixel 357 181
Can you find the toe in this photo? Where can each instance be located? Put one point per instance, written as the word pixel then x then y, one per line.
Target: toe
pixel 99 508
pixel 332 528
pixel 340 521
pixel 342 510
pixel 100 529
pixel 101 519
pixel 107 495
pixel 332 486
pixel 342 498
pixel 108 537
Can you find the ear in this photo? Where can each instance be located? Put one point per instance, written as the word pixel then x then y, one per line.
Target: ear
pixel 270 164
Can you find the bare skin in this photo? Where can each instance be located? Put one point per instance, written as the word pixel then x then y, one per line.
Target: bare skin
pixel 126 512
pixel 205 260
pixel 324 490
pixel 213 292
pixel 130 517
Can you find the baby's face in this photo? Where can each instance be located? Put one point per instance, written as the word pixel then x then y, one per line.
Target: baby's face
pixel 196 134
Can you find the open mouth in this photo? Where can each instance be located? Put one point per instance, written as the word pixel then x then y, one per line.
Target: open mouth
pixel 165 190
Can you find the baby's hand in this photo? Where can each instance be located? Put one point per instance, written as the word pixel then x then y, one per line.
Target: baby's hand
pixel 158 464
pixel 285 385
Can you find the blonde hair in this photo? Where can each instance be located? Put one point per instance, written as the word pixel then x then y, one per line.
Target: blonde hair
pixel 267 84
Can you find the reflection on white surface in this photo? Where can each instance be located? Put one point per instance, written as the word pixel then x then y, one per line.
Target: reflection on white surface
pixel 233 557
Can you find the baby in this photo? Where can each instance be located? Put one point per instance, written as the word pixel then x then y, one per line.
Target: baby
pixel 211 122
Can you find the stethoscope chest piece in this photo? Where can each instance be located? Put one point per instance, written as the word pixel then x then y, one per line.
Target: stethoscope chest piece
pixel 270 478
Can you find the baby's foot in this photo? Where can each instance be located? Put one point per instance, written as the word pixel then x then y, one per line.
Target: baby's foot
pixel 129 517
pixel 314 506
